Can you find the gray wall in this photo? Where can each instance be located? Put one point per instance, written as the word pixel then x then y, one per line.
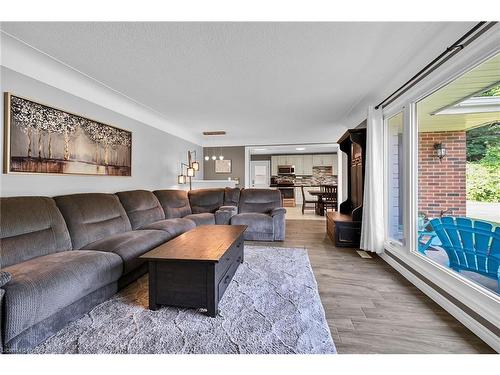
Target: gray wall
pixel 156 155
pixel 237 156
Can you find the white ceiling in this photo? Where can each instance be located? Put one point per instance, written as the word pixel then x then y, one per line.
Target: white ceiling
pixel 263 83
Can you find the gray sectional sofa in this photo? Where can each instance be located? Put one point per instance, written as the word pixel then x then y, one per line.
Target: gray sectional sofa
pixel 60 257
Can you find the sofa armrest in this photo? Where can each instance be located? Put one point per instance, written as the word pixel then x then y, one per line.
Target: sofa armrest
pixel 224 214
pixel 278 211
pixel 279 223
pixel 4 278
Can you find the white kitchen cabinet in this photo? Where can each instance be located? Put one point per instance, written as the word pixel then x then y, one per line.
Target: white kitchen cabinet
pixel 282 160
pixel 274 165
pixel 298 196
pixel 304 163
pixel 317 160
pixel 307 164
pixel 328 160
pixel 323 160
pixel 297 161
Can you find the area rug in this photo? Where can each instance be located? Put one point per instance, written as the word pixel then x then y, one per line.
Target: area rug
pixel 271 306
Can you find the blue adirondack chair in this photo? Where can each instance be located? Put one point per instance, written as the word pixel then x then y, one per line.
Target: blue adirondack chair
pixel 471 245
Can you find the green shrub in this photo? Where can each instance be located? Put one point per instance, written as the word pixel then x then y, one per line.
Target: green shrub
pixel 483 182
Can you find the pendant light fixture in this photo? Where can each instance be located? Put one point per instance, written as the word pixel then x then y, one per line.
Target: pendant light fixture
pixel 214 154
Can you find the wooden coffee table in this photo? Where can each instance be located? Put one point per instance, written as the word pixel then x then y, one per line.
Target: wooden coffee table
pixel 194 269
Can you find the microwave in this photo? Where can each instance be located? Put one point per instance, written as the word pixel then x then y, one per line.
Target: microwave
pixel 286 169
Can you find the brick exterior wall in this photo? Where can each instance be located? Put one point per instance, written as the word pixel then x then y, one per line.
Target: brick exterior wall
pixel 442 184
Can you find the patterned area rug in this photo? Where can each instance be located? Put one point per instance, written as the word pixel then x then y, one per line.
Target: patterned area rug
pixel 271 306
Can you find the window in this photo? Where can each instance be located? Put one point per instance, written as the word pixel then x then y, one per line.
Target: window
pixel 395 163
pixel 459 174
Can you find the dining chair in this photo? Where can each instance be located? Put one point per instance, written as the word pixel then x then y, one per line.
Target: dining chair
pixel 307 199
pixel 329 197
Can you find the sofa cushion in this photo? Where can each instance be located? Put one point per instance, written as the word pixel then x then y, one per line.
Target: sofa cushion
pixel 175 203
pixel 206 200
pixel 42 286
pixel 174 227
pixel 256 222
pixel 202 219
pixel 231 196
pixel 130 245
pixel 92 216
pixel 259 200
pixel 142 207
pixel 30 227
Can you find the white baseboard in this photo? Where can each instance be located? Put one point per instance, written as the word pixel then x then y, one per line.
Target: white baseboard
pixel 482 332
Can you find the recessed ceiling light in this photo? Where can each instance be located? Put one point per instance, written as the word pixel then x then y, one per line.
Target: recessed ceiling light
pixel 300 148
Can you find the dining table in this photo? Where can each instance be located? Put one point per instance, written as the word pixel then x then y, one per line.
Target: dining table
pixel 320 209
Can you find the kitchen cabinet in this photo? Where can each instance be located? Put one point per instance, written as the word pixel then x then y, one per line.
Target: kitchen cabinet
pixel 282 160
pixel 297 161
pixel 304 163
pixel 298 196
pixel 324 160
pixel 335 165
pixel 274 166
pixel 307 165
pixel 317 160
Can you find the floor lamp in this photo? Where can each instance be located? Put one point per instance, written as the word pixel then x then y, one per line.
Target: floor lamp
pixel 191 167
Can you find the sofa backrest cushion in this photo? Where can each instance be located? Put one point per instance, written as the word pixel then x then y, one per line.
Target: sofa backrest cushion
pixel 30 227
pixel 175 203
pixel 92 216
pixel 142 207
pixel 231 196
pixel 206 200
pixel 259 200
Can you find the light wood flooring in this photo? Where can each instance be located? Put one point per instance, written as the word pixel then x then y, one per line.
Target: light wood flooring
pixel 370 307
pixel 295 213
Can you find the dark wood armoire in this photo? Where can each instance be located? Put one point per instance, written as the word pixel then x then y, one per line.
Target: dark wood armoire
pixel 344 227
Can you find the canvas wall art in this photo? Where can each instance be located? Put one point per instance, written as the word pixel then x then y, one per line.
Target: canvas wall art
pixel 42 139
pixel 223 166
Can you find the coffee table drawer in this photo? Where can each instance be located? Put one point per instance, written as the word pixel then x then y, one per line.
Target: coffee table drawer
pixel 231 256
pixel 226 278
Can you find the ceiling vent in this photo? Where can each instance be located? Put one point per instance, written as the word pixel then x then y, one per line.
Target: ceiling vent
pixel 220 132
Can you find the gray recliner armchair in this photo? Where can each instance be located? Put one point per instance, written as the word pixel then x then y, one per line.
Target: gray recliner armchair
pixel 262 211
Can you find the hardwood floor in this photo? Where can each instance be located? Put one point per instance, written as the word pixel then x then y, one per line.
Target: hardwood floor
pixel 370 307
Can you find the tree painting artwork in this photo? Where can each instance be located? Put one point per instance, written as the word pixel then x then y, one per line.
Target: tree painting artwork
pixel 42 139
